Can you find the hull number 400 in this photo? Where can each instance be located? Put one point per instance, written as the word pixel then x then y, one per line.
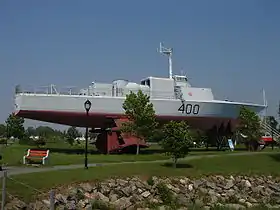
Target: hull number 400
pixel 189 109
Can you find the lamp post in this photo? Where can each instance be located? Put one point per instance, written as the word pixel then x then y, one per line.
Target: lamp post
pixel 87 106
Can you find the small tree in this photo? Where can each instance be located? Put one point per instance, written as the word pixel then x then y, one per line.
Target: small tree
pixel 2 130
pixel 141 115
pixel 72 134
pixel 15 128
pixel 177 139
pixel 39 142
pixel 250 126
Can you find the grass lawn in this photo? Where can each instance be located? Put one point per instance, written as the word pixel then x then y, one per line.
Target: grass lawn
pixel 258 163
pixel 13 156
pixel 65 154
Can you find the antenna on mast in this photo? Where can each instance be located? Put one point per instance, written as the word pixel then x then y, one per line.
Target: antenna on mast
pixel 168 52
pixel 264 98
pixel 265 104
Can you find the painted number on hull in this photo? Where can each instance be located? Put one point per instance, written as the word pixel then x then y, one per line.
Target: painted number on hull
pixel 189 108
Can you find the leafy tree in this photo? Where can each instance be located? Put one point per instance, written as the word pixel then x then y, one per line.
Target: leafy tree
pixel 156 135
pixel 272 121
pixel 141 115
pixel 278 111
pixel 30 131
pixel 250 126
pixel 15 126
pixel 71 134
pixel 45 131
pixel 39 142
pixel 2 130
pixel 177 139
pixel 200 138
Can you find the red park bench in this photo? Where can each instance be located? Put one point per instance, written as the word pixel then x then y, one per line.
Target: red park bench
pixel 36 154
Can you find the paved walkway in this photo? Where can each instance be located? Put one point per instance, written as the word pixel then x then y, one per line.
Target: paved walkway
pixel 13 170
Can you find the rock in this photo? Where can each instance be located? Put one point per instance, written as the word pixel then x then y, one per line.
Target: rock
pixel 72 195
pixel 229 184
pixel 247 184
pixel 198 203
pixel 190 187
pixel 59 207
pixel 274 187
pixel 113 197
pixel 89 195
pixel 139 190
pixel 252 200
pixel 88 207
pixel 235 192
pixel 46 202
pixel 203 190
pixel 71 205
pixel 154 201
pixel 146 194
pixel 267 192
pixel 122 203
pixel 248 204
pixel 103 198
pixel 197 183
pixel 183 181
pixel 269 206
pixel 86 187
pixel 234 206
pixel 161 208
pixel 83 203
pixel 213 199
pixel 210 185
pixel 275 207
pixel 38 205
pixel 61 199
pixel 219 205
pixel 181 200
pixel 121 182
pixel 127 191
pixel 16 204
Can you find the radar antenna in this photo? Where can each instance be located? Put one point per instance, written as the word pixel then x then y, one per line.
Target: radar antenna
pixel 168 52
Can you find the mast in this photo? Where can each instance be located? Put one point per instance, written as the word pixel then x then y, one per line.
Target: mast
pixel 265 104
pixel 168 52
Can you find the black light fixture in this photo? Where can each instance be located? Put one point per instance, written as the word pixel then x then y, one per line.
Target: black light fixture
pixel 87 106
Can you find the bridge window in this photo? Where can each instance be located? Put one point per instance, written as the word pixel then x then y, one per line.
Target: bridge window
pixel 146 82
pixel 180 79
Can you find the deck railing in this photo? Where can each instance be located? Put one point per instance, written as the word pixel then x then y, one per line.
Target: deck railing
pixel 75 91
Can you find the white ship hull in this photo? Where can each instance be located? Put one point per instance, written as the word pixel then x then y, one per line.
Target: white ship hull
pixel 69 110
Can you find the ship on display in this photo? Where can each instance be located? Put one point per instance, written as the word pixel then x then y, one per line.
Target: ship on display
pixel 173 98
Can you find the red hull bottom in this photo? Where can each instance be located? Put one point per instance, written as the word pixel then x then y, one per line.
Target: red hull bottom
pixel 104 120
pixel 115 141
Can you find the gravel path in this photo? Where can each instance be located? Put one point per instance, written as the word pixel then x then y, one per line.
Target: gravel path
pixel 13 170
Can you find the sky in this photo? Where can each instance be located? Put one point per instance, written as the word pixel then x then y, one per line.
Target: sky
pixel 232 46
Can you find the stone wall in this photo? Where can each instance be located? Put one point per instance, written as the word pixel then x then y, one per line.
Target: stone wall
pixel 237 192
